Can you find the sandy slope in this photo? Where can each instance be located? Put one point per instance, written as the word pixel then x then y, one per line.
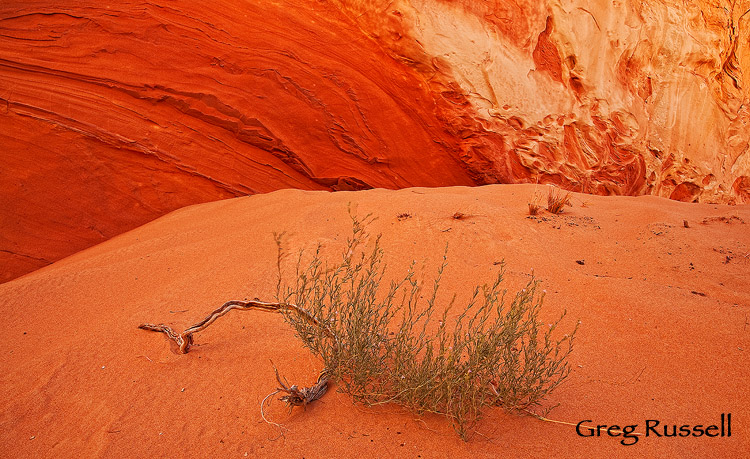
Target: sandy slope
pixel 665 331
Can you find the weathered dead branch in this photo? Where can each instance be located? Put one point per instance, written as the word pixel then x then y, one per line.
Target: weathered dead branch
pixel 185 339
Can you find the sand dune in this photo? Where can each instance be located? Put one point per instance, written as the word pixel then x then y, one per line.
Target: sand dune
pixel 664 335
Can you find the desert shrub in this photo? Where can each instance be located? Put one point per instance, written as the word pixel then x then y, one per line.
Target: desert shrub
pixel 381 344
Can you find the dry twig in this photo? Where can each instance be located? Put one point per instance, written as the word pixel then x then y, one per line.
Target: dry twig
pixel 185 339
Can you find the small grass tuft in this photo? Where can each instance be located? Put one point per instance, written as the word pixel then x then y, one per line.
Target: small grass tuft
pixel 535 205
pixel 534 208
pixel 557 199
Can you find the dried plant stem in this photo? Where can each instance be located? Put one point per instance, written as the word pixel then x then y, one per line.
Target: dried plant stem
pixel 185 339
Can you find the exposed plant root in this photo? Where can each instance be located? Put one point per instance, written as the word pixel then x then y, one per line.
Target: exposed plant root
pixel 302 397
pixel 294 395
pixel 185 339
pixel 263 414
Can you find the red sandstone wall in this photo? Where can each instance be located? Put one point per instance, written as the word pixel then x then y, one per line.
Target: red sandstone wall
pixel 114 114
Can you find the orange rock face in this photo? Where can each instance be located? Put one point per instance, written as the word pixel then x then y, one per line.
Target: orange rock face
pixel 113 115
pixel 624 97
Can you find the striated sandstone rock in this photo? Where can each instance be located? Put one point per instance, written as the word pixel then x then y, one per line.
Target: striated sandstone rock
pixel 115 114
pixel 622 97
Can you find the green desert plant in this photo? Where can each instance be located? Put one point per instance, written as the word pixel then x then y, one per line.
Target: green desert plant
pixel 381 344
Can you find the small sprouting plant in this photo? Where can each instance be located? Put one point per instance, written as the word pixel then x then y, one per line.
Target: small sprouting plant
pixel 382 344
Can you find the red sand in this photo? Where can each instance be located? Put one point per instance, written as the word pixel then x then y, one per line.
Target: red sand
pixel 664 311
